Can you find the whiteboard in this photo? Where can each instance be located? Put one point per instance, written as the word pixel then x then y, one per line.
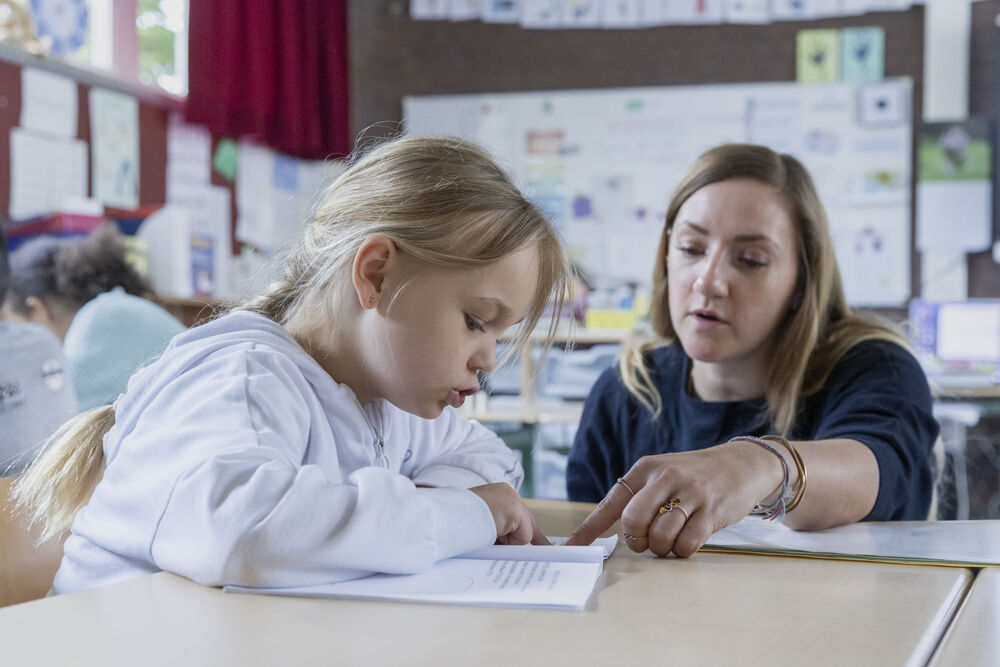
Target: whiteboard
pixel 602 164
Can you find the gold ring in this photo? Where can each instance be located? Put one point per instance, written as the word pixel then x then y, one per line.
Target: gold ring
pixel 621 481
pixel 671 505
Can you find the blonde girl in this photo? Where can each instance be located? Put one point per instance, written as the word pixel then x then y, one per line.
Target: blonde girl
pixel 311 435
pixel 763 393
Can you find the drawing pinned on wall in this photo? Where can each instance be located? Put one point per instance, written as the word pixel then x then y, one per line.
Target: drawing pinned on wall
pixel 621 14
pixel 872 253
pixel 694 11
pixel 882 182
pixel 817 56
pixel 114 131
pixel 862 54
pixel 824 141
pixel 954 183
pixel 792 10
pixel 501 11
pixel 464 10
pixel 747 11
pixel 286 173
pixel 614 198
pixel 429 10
pixel 775 121
pixel 541 14
pixel 583 207
pixel 544 142
pixel 48 102
pixel 581 13
pixel 883 104
pixel 544 171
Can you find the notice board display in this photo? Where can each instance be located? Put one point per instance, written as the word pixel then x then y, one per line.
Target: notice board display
pixel 603 163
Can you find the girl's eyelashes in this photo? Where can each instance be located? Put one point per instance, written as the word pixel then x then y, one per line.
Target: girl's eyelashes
pixel 752 263
pixel 473 324
pixel 690 251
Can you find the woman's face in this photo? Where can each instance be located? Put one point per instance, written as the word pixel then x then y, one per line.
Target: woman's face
pixel 732 267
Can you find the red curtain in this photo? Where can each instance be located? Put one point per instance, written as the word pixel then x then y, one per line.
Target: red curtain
pixel 272 70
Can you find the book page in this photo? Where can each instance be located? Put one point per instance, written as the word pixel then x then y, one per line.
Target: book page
pixel 933 542
pixel 552 577
pixel 508 583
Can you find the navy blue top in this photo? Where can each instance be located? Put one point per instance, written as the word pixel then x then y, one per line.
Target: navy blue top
pixel 876 394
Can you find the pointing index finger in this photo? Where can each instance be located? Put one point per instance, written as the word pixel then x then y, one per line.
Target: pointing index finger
pixel 604 516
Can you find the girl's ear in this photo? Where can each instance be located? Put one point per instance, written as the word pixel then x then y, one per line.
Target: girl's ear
pixel 375 259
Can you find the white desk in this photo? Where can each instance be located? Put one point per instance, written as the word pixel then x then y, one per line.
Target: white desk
pixel 973 638
pixel 710 609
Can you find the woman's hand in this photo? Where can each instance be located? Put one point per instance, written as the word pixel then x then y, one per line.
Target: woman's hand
pixel 674 502
pixel 515 522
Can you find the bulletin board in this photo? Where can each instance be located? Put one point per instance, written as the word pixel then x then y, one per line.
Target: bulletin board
pixel 602 164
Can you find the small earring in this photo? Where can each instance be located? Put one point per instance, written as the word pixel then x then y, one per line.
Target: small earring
pixel 372 300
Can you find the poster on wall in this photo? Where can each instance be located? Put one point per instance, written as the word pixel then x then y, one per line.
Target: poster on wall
pixel 954 184
pixel 602 164
pixel 114 135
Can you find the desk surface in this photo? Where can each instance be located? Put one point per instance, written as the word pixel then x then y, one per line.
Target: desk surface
pixel 709 609
pixel 972 639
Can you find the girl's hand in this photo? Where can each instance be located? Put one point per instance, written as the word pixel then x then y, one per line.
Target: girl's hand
pixel 712 488
pixel 515 522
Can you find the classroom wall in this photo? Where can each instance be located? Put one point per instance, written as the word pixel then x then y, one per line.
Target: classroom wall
pixel 152 133
pixel 393 56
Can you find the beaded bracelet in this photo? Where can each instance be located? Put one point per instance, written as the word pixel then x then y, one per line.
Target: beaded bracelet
pixel 800 466
pixel 775 511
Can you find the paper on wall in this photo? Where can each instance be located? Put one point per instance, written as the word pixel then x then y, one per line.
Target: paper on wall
pixel 425 10
pixel 954 216
pixel 944 276
pixel 862 54
pixel 747 11
pixel 189 154
pixel 583 13
pixel 694 11
pixel 48 102
pixel 621 14
pixel 541 14
pixel 464 10
pixel 255 222
pixel 114 132
pixel 45 171
pixel 501 11
pixel 873 247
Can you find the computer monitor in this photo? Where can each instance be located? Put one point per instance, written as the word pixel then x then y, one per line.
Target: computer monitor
pixel 959 334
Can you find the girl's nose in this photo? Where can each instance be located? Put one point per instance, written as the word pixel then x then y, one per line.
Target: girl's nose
pixel 485 359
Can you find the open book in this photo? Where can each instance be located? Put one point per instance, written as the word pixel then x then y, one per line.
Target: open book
pixel 552 577
pixel 950 543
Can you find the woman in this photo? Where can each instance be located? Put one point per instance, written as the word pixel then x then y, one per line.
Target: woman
pixel 85 291
pixel 756 344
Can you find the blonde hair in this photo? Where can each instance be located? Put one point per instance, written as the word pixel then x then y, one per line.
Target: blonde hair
pixel 62 478
pixel 442 201
pixel 815 335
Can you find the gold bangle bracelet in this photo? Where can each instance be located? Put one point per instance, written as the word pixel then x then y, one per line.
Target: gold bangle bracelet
pixel 800 466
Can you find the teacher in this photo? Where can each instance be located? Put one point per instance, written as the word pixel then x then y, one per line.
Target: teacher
pixel 762 393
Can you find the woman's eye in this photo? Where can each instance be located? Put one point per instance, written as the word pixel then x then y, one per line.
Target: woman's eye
pixel 690 251
pixel 752 263
pixel 473 324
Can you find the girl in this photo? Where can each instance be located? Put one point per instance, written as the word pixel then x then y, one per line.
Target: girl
pixel 310 435
pixel 86 292
pixel 755 338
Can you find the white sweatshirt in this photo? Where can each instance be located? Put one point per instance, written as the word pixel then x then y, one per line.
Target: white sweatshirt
pixel 235 459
